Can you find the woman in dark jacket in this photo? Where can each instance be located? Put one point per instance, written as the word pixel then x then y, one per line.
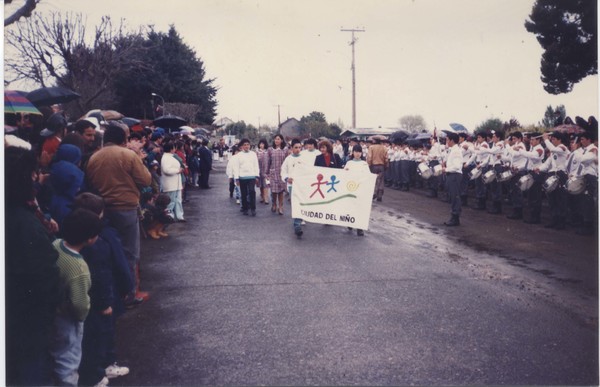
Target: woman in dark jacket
pixel 327 158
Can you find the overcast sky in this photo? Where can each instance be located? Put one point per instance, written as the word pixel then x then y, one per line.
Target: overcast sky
pixel 447 60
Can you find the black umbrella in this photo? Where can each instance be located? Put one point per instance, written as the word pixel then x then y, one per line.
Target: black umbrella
pixel 399 136
pixel 46 96
pixel 169 121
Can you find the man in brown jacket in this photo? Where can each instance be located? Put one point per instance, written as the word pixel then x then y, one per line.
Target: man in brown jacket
pixel 378 161
pixel 117 174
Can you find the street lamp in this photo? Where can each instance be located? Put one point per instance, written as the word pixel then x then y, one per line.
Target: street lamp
pixel 163 103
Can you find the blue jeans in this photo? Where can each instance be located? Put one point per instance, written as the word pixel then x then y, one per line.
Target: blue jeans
pixel 127 224
pixel 66 350
pixel 176 207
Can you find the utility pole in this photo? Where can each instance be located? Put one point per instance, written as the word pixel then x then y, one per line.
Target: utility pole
pixel 353 43
pixel 278 116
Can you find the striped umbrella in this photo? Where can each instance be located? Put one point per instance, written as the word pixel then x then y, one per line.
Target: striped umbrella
pixel 15 102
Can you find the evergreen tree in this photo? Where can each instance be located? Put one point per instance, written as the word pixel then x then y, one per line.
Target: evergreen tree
pixel 567 31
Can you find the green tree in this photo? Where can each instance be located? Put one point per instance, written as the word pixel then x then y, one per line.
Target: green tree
pixel 242 130
pixel 316 126
pixel 413 123
pixel 490 124
pixel 567 31
pixel 174 72
pixel 553 116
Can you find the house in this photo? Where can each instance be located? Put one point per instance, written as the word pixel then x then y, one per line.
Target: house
pixel 291 128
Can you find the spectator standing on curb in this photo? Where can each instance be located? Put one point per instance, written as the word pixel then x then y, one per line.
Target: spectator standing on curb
pixel 117 174
pixel 171 181
pixel 378 161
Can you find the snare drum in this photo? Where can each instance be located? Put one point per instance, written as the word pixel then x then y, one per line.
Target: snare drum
pixel 576 185
pixel 489 176
pixel 525 182
pixel 424 170
pixel 437 170
pixel 475 173
pixel 550 184
pixel 505 176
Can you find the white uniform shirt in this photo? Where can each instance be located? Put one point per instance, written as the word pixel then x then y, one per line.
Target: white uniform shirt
pixel 535 157
pixel 589 161
pixel 454 162
pixel 558 158
pixel 519 156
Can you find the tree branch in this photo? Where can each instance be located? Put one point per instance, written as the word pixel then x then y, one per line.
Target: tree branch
pixel 24 11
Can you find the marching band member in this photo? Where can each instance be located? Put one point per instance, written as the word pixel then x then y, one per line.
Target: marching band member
pixel 453 171
pixel 556 165
pixel 481 161
pixel 518 165
pixel 404 166
pixel 588 168
pixel 467 152
pixel 573 201
pixel 434 156
pixel 495 156
pixel 535 194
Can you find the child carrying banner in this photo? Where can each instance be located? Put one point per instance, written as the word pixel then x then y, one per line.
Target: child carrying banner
pixel 359 165
pixel 288 169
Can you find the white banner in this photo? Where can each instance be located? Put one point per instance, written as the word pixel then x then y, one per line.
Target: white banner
pixel 333 196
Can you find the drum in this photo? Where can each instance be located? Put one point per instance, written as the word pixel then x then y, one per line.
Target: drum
pixel 475 173
pixel 525 182
pixel 424 170
pixel 437 170
pixel 505 176
pixel 489 176
pixel 550 184
pixel 575 185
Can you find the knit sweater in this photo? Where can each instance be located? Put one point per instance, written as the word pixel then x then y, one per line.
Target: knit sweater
pixel 75 282
pixel 117 173
pixel 246 166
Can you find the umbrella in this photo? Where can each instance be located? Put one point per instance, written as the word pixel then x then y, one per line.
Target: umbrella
pixel 130 121
pixel 458 128
pixel 46 96
pixel 422 136
pixel 14 102
pixel 569 128
pixel 169 121
pixel 111 115
pixel 399 136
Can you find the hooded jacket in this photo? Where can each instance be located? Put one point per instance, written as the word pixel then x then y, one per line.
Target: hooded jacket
pixel 66 181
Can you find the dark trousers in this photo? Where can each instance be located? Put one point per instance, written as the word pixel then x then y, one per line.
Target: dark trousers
pixel 516 195
pixel 434 181
pixel 480 188
pixel 231 187
pixel 453 181
pixel 589 199
pixel 97 347
pixel 535 195
pixel 464 183
pixel 558 198
pixel 203 180
pixel 248 194
pixel 405 172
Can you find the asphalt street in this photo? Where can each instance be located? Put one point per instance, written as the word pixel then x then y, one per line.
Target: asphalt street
pixel 238 300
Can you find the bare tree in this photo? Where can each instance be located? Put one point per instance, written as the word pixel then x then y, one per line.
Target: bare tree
pixel 413 124
pixel 24 11
pixel 188 111
pixel 54 50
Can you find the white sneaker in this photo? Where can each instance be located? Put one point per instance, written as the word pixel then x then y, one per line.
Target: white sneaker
pixel 303 223
pixel 114 370
pixel 237 201
pixel 102 383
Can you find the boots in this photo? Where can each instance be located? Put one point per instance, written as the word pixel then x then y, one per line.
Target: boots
pixel 161 230
pixel 480 204
pixel 496 208
pixel 454 221
pixel 586 229
pixel 153 231
pixel 535 217
pixel 138 293
pixel 516 214
pixel 432 193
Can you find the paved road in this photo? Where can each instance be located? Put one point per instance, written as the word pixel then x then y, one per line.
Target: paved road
pixel 240 301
